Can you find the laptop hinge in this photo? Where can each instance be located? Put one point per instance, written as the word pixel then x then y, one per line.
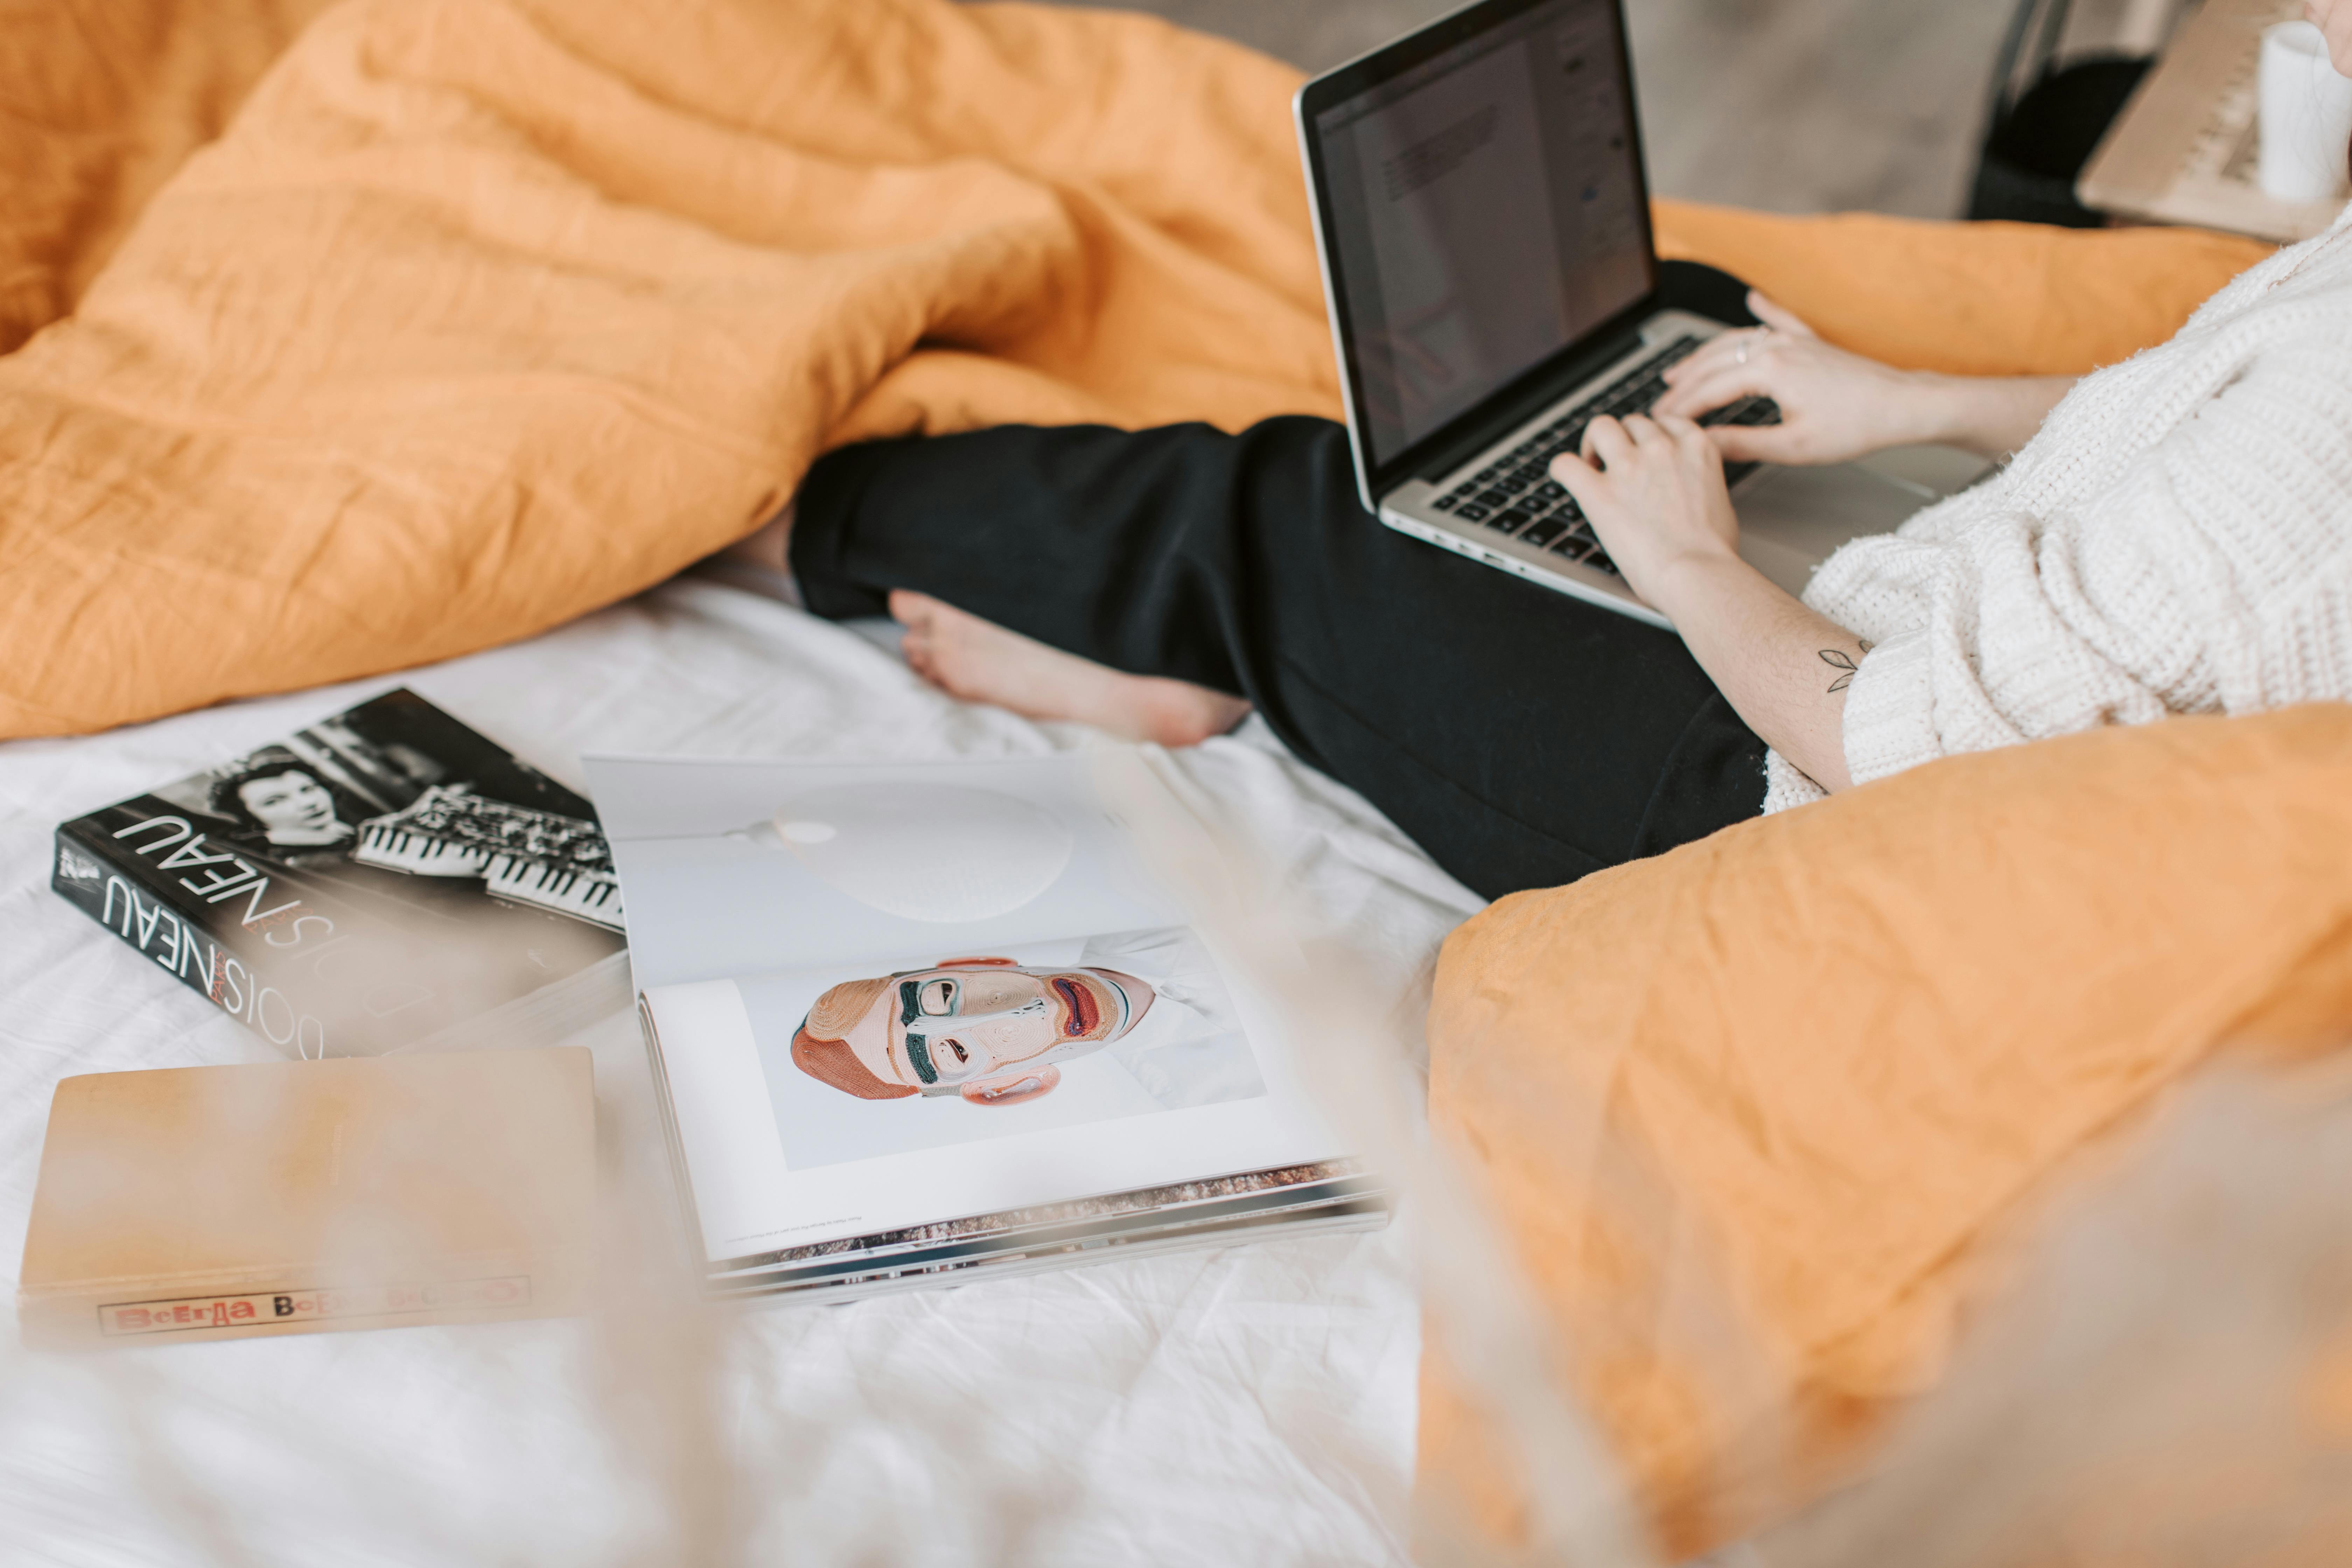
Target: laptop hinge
pixel 1482 433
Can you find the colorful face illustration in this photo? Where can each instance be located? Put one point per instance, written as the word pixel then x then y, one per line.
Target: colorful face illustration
pixel 985 1028
pixel 292 808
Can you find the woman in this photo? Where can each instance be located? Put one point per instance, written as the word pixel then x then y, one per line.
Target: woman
pixel 282 810
pixel 2173 534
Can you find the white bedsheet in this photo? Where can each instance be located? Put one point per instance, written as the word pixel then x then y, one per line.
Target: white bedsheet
pixel 1250 1405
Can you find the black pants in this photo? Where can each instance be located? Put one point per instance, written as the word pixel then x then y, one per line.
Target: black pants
pixel 1522 737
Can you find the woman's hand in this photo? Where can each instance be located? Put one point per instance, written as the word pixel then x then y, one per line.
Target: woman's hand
pixel 1653 491
pixel 1658 503
pixel 1835 406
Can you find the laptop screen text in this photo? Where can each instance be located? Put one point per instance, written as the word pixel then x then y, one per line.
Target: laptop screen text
pixel 1486 208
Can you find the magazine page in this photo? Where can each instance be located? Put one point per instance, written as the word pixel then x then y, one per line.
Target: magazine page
pixel 886 996
pixel 750 867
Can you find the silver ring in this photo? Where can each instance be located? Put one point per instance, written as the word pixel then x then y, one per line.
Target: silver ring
pixel 1754 334
pixel 1741 357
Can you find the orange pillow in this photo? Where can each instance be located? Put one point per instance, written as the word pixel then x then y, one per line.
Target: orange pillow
pixel 1813 1058
pixel 1967 298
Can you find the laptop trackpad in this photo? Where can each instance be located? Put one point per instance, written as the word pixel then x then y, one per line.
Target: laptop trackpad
pixel 1790 519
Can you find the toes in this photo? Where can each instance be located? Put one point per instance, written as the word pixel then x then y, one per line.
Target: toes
pixel 931 666
pixel 909 608
pixel 1178 715
pixel 915 648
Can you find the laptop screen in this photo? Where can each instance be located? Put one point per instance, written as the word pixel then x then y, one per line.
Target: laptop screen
pixel 1485 209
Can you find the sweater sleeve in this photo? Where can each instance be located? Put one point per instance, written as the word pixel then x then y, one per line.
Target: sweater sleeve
pixel 2207 571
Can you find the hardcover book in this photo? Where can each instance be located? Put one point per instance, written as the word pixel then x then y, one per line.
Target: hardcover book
pixel 384 879
pixel 918 1023
pixel 341 1194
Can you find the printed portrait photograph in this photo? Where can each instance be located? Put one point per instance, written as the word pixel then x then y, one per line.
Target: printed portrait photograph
pixel 398 808
pixel 966 1045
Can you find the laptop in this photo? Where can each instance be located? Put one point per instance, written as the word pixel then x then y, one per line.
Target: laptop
pixel 1483 216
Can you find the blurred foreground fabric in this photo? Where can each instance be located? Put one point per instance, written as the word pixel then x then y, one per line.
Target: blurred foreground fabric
pixel 485 314
pixel 1755 1112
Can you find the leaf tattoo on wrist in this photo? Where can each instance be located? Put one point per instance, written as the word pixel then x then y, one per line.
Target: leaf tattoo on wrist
pixel 1837 658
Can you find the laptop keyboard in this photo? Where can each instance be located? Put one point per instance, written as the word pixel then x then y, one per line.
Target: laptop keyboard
pixel 1515 495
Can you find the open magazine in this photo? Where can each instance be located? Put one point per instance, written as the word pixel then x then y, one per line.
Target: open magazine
pixel 910 1022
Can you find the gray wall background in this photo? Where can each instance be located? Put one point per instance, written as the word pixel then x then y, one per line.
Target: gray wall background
pixel 1789 105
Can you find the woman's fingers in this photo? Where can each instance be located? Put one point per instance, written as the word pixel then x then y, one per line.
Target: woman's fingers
pixel 1684 434
pixel 1718 354
pixel 1777 317
pixel 1581 480
pixel 1751 444
pixel 1713 389
pixel 1582 471
pixel 1606 444
pixel 1614 451
pixel 1692 441
pixel 1646 432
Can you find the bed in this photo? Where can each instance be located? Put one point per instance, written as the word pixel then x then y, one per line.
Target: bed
pixel 1253 1404
pixel 595 321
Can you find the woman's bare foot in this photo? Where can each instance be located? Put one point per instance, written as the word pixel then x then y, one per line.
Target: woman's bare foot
pixel 980 661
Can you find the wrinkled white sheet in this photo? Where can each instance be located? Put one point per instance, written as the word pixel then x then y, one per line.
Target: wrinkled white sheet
pixel 1254 1405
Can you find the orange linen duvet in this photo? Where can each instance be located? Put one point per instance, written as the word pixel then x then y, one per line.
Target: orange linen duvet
pixel 1767 1118
pixel 486 312
pixel 483 313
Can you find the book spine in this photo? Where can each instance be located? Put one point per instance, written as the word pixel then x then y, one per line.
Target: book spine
pixel 161 1311
pixel 166 919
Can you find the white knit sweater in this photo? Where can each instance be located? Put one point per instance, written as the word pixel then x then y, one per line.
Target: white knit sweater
pixel 2177 539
